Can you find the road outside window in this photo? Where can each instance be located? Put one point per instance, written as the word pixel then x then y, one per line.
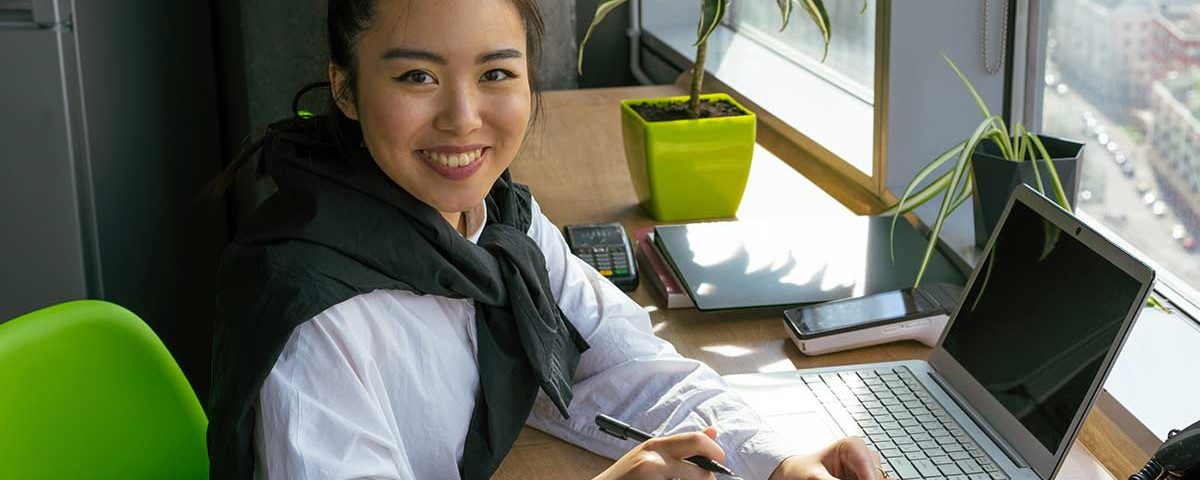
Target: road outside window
pixel 1124 75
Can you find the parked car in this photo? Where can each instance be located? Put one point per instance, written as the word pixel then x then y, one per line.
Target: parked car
pixel 1119 158
pixel 1178 232
pixel 1158 208
pixel 1188 243
pixel 1101 137
pixel 1116 218
pixel 1143 187
pixel 1112 147
pixel 1149 198
pixel 1127 170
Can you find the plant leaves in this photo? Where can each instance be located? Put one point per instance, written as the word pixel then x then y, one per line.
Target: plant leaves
pixel 816 11
pixel 960 169
pixel 996 135
pixel 965 192
pixel 602 11
pixel 1155 303
pixel 987 275
pixel 785 11
pixel 1058 188
pixel 1037 175
pixel 1005 146
pixel 978 100
pixel 1019 132
pixel 711 14
pixel 1051 233
pixel 924 195
pixel 863 9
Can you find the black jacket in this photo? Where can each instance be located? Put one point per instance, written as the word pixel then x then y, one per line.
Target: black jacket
pixel 338 227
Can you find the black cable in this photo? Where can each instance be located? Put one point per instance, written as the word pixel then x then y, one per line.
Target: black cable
pixel 300 94
pixel 1151 471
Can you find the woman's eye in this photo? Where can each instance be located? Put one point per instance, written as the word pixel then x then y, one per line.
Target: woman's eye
pixel 497 75
pixel 418 77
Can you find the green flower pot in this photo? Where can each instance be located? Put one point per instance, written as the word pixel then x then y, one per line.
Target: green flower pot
pixel 688 169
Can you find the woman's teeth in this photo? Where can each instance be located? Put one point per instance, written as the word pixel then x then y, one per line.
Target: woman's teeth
pixel 453 160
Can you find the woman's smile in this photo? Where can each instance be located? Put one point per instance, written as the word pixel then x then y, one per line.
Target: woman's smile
pixel 455 163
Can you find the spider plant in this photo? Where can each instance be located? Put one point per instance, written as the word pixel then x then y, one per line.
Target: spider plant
pixel 956 185
pixel 712 12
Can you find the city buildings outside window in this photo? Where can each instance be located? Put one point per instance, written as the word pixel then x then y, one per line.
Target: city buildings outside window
pixel 1124 76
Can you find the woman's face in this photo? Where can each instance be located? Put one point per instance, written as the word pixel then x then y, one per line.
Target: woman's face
pixel 442 95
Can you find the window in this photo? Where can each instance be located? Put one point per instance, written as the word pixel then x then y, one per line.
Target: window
pixel 831 104
pixel 1124 76
pixel 851 59
pixel 1137 114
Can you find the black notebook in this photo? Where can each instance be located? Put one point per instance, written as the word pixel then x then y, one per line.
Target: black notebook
pixel 745 264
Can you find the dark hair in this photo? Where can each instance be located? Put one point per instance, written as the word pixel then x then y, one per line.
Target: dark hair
pixel 346 20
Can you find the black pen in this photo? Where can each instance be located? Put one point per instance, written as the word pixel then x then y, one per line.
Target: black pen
pixel 624 431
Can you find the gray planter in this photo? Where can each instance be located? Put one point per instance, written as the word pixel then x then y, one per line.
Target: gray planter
pixel 997 177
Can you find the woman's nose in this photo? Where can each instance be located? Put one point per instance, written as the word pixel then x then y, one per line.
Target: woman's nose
pixel 459 112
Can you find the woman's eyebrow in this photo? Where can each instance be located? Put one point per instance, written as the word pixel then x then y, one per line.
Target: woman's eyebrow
pixel 400 52
pixel 499 55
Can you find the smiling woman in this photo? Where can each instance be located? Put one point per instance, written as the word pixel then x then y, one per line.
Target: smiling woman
pixel 443 119
pixel 362 336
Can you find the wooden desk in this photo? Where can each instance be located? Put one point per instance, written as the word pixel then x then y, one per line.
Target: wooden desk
pixel 575 164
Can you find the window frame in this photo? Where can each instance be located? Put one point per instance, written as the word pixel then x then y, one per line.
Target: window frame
pixel 797 149
pixel 1020 98
pixel 1024 101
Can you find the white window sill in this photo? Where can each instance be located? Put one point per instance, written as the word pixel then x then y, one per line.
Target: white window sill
pixel 835 119
pixel 1151 378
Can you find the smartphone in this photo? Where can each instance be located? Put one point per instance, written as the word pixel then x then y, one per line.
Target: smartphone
pixel 838 316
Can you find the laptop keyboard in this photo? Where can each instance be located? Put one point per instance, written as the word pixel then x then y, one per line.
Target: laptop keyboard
pixel 898 417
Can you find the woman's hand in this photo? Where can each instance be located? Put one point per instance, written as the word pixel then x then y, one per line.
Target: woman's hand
pixel 662 458
pixel 846 459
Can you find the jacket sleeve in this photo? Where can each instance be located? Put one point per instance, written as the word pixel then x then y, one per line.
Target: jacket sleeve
pixel 631 374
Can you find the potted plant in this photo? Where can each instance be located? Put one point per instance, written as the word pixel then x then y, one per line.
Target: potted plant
pixel 689 156
pixel 990 163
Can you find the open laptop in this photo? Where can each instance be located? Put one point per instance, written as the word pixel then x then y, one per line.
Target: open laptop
pixel 1012 377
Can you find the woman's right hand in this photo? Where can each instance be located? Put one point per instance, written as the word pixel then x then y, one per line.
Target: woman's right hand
pixel 662 458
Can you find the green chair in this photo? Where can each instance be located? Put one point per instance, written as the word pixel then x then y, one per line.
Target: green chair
pixel 87 391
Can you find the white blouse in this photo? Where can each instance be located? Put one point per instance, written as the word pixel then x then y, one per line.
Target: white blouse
pixel 383 385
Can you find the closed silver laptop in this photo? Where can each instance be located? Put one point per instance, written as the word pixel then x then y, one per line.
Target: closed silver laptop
pixel 1006 390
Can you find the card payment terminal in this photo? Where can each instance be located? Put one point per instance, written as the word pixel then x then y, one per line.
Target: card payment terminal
pixel 606 248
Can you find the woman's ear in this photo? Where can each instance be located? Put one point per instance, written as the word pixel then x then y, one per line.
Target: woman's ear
pixel 341 95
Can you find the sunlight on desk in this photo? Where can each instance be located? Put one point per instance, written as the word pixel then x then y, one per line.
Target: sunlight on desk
pixel 775 190
pixel 784 365
pixel 771 248
pixel 729 351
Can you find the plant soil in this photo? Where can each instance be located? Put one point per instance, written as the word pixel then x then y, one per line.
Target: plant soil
pixel 665 112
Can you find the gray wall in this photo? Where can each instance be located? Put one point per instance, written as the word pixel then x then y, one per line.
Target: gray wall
pixel 270 49
pixel 153 145
pixel 107 143
pixel 930 109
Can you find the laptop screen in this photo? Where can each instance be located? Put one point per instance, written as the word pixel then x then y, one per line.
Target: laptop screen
pixel 1038 321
